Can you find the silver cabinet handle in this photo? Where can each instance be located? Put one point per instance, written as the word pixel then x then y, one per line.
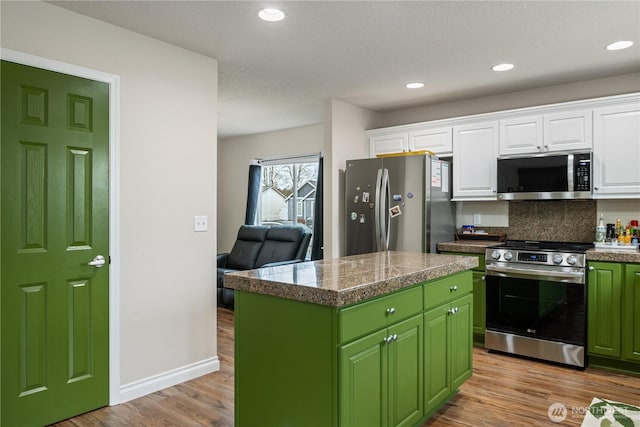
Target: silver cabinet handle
pixel 484 278
pixel 391 310
pixel 97 262
pixel 591 268
pixel 453 288
pixel 391 338
pixel 453 310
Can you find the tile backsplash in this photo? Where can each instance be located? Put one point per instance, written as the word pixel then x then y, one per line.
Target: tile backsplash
pixel 552 220
pixel 555 220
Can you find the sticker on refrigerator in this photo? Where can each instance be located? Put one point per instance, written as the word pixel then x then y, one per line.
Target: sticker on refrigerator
pixel 445 177
pixel 354 216
pixel 436 173
pixel 397 197
pixel 361 218
pixel 409 195
pixel 365 197
pixel 395 211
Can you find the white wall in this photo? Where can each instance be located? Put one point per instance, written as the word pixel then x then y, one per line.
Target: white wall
pixel 345 139
pixel 167 175
pixel 234 157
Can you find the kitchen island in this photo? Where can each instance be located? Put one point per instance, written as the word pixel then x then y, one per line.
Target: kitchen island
pixel 365 340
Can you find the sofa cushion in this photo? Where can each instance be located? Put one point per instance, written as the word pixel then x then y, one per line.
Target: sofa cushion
pixel 282 244
pixel 247 247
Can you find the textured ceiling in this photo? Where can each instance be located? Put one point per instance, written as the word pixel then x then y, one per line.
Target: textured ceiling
pixel 277 75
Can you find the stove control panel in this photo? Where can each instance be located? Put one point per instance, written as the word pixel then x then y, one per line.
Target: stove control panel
pixel 542 257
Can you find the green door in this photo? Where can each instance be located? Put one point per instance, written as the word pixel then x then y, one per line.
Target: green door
pixel 363 382
pixel 460 340
pixel 604 293
pixel 54 220
pixel 405 373
pixel 437 384
pixel 631 313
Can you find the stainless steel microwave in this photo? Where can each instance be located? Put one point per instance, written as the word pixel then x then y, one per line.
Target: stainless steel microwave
pixel 551 177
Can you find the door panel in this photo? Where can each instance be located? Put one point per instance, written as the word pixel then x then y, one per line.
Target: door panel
pixel 54 307
pixel 360 206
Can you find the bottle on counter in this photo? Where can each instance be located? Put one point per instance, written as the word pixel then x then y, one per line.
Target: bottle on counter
pixel 601 230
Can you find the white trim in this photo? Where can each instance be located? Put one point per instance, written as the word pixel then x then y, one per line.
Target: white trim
pixel 166 379
pixel 114 195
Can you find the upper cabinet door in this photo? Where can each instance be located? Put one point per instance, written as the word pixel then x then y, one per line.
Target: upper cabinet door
pixel 437 140
pixel 475 164
pixel 521 135
pixel 565 131
pixel 568 131
pixel 389 143
pixel 616 151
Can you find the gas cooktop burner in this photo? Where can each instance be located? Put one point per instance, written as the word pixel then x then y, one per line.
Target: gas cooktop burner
pixel 545 246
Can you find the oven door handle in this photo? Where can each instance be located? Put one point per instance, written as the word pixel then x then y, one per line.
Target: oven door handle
pixel 525 273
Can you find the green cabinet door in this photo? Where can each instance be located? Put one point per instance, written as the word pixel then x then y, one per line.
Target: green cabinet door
pixel 604 302
pixel 631 314
pixel 460 339
pixel 363 381
pixel 405 373
pixel 448 332
pixel 479 305
pixel 381 377
pixel 436 357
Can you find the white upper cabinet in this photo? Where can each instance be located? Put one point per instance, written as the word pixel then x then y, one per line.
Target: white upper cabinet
pixel 616 151
pixel 568 131
pixel 389 143
pixel 563 131
pixel 437 140
pixel 521 135
pixel 419 138
pixel 474 161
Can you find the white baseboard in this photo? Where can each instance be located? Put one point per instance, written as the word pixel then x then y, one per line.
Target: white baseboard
pixel 167 379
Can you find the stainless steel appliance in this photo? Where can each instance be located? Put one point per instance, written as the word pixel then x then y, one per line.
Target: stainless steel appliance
pixel 561 176
pixel 398 203
pixel 536 300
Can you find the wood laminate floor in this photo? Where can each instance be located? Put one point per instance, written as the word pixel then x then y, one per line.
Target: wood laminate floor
pixel 504 391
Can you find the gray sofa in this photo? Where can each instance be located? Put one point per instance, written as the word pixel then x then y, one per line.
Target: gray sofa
pixel 259 246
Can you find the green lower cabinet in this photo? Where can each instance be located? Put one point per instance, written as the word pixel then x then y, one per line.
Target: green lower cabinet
pixel 614 316
pixel 604 308
pixel 631 316
pixel 381 377
pixel 479 307
pixel 448 333
pixel 479 297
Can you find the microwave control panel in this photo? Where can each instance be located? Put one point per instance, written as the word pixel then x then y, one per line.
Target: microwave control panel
pixel 582 172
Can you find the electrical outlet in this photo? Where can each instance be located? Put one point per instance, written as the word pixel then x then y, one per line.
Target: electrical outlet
pixel 477 220
pixel 200 223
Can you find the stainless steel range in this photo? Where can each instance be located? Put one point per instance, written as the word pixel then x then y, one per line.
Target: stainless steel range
pixel 536 300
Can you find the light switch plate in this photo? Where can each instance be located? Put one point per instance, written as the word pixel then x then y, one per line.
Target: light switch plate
pixel 200 223
pixel 477 219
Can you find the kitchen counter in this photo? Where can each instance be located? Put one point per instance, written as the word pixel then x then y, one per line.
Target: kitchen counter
pixel 348 280
pixel 328 343
pixel 468 246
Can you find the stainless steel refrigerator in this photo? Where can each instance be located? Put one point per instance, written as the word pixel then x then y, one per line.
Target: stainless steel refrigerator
pixel 398 203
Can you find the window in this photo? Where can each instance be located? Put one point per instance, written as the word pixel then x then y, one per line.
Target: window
pixel 288 191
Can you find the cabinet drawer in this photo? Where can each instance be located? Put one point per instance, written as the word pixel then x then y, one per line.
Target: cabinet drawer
pixel 446 289
pixel 379 313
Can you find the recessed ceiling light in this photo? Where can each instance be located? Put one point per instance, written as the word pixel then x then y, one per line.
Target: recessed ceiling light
pixel 415 85
pixel 619 45
pixel 502 67
pixel 271 15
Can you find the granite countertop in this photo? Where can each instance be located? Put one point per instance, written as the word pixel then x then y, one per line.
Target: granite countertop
pixel 467 246
pixel 342 281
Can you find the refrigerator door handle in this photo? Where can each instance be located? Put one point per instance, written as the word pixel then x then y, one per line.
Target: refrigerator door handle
pixel 386 226
pixel 378 201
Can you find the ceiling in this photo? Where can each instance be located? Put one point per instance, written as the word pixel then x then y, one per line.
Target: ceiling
pixel 277 75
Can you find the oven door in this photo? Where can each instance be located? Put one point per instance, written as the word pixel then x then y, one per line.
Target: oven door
pixel 542 304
